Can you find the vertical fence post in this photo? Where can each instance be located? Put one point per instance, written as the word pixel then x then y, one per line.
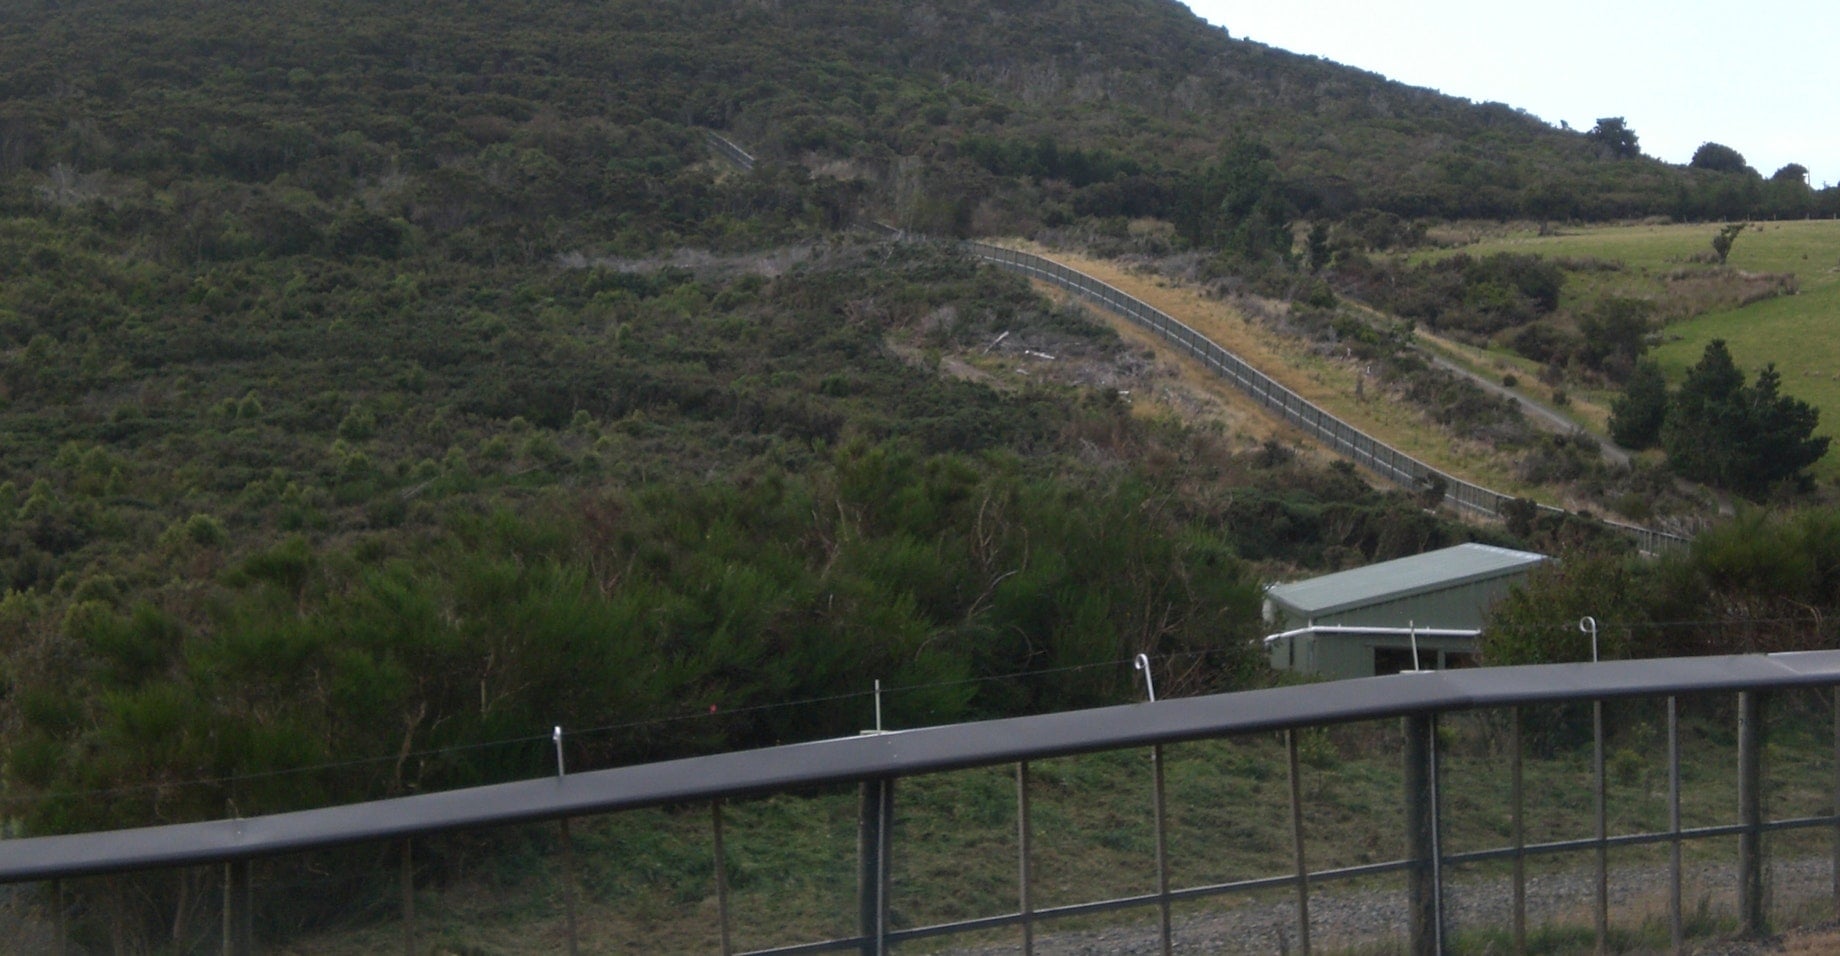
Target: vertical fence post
pixel 1751 918
pixel 1424 904
pixel 1162 846
pixel 1519 800
pixel 721 868
pixel 568 886
pixel 1676 916
pixel 1024 868
pixel 60 923
pixel 1836 809
pixel 408 897
pixel 1303 870
pixel 872 846
pixel 1600 811
pixel 239 925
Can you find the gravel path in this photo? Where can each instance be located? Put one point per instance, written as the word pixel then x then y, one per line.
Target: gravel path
pixel 1543 416
pixel 1342 917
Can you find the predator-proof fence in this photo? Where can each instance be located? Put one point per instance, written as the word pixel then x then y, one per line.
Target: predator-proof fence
pixel 1465 807
pixel 1342 438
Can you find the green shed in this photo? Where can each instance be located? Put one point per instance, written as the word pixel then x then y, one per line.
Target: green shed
pixel 1422 612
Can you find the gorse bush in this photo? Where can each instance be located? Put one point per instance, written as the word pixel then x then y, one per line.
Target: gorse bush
pixel 622 609
pixel 1759 583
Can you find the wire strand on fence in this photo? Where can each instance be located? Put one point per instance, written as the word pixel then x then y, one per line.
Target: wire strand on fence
pixel 601 730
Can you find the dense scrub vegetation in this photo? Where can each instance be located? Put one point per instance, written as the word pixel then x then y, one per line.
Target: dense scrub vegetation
pixel 376 507
pixel 1761 583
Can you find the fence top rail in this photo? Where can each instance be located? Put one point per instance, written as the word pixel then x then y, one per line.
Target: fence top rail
pixel 900 753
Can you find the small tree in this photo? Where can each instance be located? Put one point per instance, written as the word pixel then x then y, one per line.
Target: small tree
pixel 1695 434
pixel 1779 434
pixel 1719 158
pixel 1636 417
pixel 1615 335
pixel 1728 234
pixel 1745 439
pixel 1794 173
pixel 1612 133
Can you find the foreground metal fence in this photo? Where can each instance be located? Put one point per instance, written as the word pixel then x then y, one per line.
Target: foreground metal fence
pixel 1342 438
pixel 879 767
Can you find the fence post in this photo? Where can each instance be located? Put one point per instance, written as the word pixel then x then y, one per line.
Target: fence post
pixel 1424 904
pixel 874 837
pixel 1751 909
pixel 1303 869
pixel 239 924
pixel 1518 797
pixel 1162 844
pixel 408 896
pixel 568 886
pixel 1601 811
pixel 1025 876
pixel 721 868
pixel 61 926
pixel 1676 925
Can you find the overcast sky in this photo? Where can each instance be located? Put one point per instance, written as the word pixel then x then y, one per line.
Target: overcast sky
pixel 1761 77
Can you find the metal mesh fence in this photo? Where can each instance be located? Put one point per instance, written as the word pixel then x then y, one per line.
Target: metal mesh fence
pixel 1340 437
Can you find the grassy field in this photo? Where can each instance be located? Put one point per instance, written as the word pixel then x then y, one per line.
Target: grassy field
pixel 1800 332
pixel 644 880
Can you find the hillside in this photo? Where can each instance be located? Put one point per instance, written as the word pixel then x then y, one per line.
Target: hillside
pixel 471 124
pixel 381 386
pixel 372 374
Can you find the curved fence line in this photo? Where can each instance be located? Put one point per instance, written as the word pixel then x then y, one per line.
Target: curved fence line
pixel 1342 438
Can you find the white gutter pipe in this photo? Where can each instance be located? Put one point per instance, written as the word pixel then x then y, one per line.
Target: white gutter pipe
pixel 1390 631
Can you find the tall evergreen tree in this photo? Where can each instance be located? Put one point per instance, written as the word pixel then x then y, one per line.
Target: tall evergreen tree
pixel 1779 434
pixel 1746 439
pixel 1696 434
pixel 1637 415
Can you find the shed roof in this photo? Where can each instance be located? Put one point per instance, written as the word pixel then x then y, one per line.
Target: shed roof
pixel 1401 578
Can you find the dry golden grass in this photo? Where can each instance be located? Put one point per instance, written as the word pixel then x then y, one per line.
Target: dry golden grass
pixel 1190 386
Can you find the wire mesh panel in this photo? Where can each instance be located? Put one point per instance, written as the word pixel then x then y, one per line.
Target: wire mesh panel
pixel 1800 780
pixel 507 888
pixel 1094 832
pixel 641 880
pixel 956 848
pixel 33 910
pixel 178 910
pixel 792 865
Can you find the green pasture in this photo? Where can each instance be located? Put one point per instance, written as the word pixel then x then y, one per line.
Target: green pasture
pixel 1800 332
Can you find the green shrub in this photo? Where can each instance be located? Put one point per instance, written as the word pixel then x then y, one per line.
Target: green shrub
pixel 205 531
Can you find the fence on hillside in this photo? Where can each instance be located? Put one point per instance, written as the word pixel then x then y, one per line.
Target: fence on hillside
pixel 1342 438
pixel 727 149
pixel 1429 821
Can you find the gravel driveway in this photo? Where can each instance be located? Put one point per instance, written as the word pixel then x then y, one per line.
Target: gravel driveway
pixel 1342 917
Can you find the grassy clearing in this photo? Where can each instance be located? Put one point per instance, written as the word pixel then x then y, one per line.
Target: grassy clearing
pixel 1797 332
pixel 646 877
